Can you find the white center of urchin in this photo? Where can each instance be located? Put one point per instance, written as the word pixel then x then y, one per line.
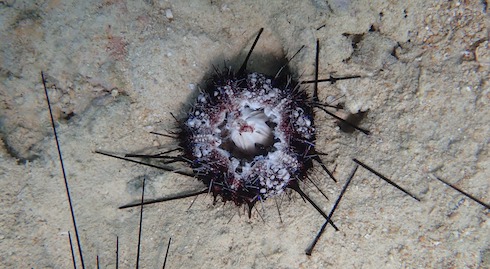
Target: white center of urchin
pixel 250 131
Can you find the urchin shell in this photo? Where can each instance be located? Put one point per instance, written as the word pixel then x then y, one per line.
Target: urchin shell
pixel 249 136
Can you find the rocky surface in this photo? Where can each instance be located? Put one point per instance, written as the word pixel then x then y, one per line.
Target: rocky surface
pixel 117 69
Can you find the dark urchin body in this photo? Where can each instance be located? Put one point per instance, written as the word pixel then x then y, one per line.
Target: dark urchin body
pixel 249 136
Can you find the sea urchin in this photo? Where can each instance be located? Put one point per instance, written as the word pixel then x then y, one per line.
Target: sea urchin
pixel 249 136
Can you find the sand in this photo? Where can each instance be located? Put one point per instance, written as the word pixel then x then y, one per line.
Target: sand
pixel 117 69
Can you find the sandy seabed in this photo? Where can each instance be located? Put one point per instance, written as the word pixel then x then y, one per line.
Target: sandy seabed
pixel 117 69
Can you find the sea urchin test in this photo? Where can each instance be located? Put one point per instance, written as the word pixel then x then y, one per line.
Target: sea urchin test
pixel 249 136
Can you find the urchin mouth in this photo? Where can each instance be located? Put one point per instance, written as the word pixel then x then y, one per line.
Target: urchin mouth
pixel 250 133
